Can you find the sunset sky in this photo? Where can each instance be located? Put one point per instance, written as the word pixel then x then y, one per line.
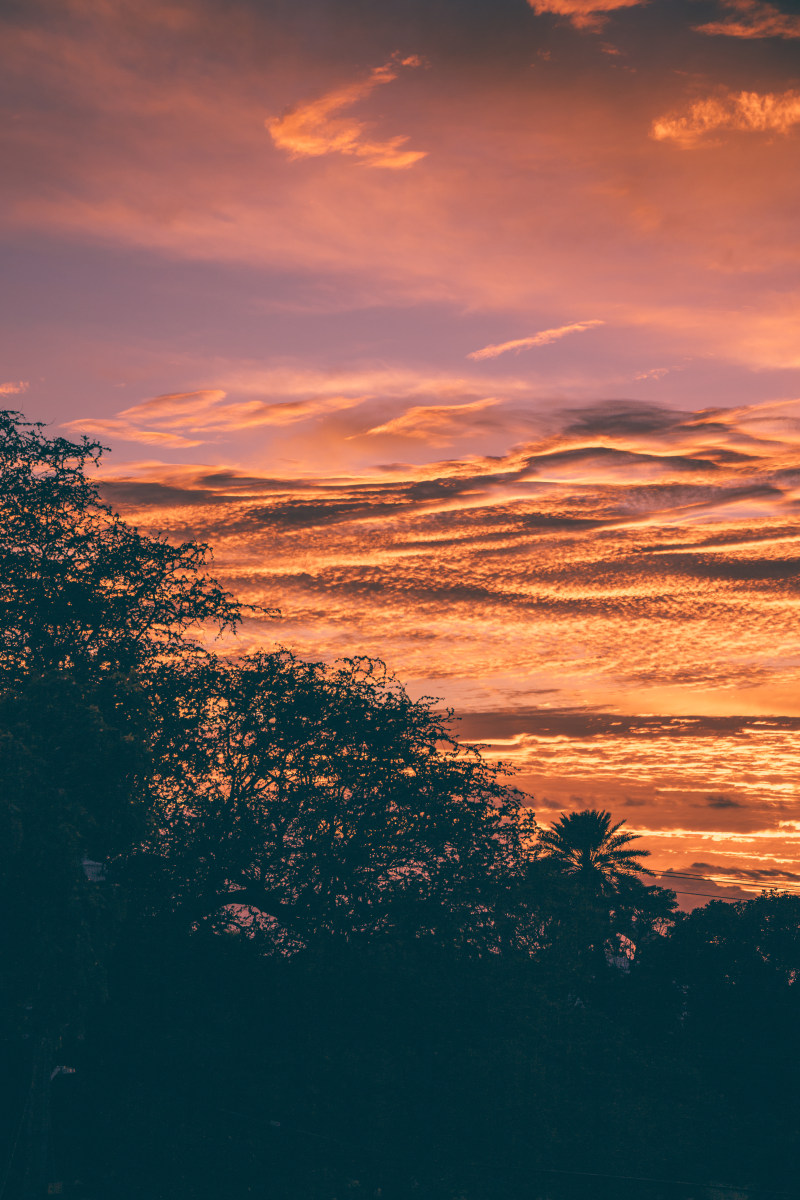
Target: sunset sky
pixel 468 334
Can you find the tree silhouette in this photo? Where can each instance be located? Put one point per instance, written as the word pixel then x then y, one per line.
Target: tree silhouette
pixel 594 907
pixel 586 845
pixel 65 800
pixel 302 803
pixel 80 588
pixel 87 605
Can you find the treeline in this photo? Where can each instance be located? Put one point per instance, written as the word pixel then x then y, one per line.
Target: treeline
pixel 269 930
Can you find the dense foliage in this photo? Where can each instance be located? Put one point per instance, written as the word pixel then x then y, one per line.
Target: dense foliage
pixel 78 586
pixel 299 942
pixel 296 803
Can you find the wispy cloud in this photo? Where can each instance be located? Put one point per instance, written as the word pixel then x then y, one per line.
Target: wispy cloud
pixel 436 423
pixel 752 112
pixel 537 339
pixel 209 411
pixel 103 166
pixel 653 373
pixel 584 14
pixel 176 408
pixel 753 19
pixel 113 427
pixel 166 420
pixel 169 414
pixel 316 128
pixel 13 388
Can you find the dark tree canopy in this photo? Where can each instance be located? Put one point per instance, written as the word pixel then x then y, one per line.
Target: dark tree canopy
pixel 303 802
pixel 67 759
pixel 87 606
pixel 739 946
pixel 78 586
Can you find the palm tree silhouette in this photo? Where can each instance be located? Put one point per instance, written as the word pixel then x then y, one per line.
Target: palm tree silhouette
pixel 587 846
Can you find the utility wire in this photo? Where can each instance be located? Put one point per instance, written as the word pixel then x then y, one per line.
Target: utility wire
pixel 730 879
pixel 705 895
pixel 723 881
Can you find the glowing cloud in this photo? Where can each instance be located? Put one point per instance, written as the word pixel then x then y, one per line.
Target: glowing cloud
pixel 436 422
pixel 203 412
pixel 175 407
pixel 13 389
pixel 584 14
pixel 627 559
pixel 314 129
pixel 759 20
pixel 751 112
pixel 170 411
pixel 537 339
pixel 113 427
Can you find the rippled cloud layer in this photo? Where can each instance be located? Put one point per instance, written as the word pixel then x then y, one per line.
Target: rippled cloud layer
pixel 623 559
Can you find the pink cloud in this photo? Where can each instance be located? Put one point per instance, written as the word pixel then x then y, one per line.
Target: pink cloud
pixel 177 407
pixel 436 423
pixel 13 388
pixel 692 242
pixel 114 428
pixel 206 413
pixel 544 338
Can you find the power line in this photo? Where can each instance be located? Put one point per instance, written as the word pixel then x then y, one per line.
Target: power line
pixel 719 881
pixel 728 879
pixel 713 895
pixel 705 895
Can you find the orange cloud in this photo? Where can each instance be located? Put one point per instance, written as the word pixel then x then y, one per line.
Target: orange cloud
pixel 287 412
pixel 759 20
pixel 538 339
pixel 584 14
pixel 203 412
pixel 13 389
pixel 630 559
pixel 627 522
pixel 435 423
pixel 170 411
pixel 743 111
pixel 314 129
pixel 176 405
pixel 113 427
